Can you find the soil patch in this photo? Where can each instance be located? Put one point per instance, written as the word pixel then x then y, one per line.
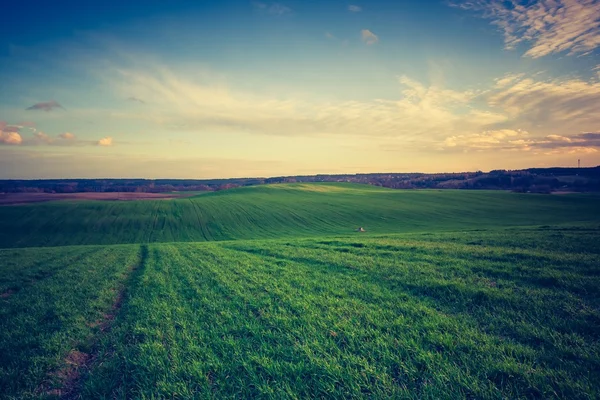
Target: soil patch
pixel 68 375
pixel 24 198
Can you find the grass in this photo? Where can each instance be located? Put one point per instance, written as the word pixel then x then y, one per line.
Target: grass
pixel 278 211
pixel 407 317
pixel 448 295
pixel 53 302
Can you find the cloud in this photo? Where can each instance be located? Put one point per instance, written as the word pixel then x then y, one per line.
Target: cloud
pixel 519 140
pixel 9 134
pixel 279 9
pixel 421 111
pixel 369 37
pixel 65 139
pixel 7 137
pixel 330 36
pixel 105 141
pixel 354 8
pixel 546 26
pixel 513 112
pixel 12 134
pixel 41 137
pixel 273 8
pixel 45 106
pixel 486 140
pixel 135 99
pixel 572 102
pixel 67 136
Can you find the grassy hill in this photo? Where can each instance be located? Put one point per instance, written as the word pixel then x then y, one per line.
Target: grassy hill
pixel 285 210
pixel 448 295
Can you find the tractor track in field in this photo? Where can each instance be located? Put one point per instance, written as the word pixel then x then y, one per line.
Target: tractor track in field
pixel 66 381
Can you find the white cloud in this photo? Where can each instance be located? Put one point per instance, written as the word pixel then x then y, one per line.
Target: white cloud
pixel 369 37
pixel 489 140
pixel 105 141
pixel 546 26
pixel 354 8
pixel 559 138
pixel 67 136
pixel 13 138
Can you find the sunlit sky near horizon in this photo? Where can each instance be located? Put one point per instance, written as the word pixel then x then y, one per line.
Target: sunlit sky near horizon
pixel 199 89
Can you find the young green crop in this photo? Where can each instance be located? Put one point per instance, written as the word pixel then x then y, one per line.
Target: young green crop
pixel 52 303
pixel 448 294
pixel 277 211
pixel 486 315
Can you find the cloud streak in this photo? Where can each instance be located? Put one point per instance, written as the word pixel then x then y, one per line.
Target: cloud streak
pixel 181 104
pixel 46 106
pixel 135 100
pixel 354 8
pixel 531 101
pixel 273 8
pixel 519 140
pixel 546 26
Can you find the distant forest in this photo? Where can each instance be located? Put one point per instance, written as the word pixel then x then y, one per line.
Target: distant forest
pixel 533 180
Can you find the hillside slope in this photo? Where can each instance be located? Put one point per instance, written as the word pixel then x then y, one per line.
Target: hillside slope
pixel 286 210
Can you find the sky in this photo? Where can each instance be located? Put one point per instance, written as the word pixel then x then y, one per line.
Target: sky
pixel 234 88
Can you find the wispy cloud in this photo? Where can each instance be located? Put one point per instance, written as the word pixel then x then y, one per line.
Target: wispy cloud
pixel 105 141
pixel 273 8
pixel 428 116
pixel 46 106
pixel 422 111
pixel 546 26
pixel 519 140
pixel 354 8
pixel 550 101
pixel 136 100
pixel 369 37
pixel 330 36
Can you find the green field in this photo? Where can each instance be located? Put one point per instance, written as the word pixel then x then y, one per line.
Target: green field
pixel 267 292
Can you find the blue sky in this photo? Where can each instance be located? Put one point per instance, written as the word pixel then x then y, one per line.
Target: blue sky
pixel 198 89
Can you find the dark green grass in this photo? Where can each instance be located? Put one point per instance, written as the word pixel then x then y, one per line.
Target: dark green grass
pixel 53 301
pixel 475 315
pixel 276 211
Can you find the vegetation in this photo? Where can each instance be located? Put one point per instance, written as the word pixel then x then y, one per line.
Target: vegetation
pixel 267 292
pixel 53 301
pixel 539 180
pixel 292 210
